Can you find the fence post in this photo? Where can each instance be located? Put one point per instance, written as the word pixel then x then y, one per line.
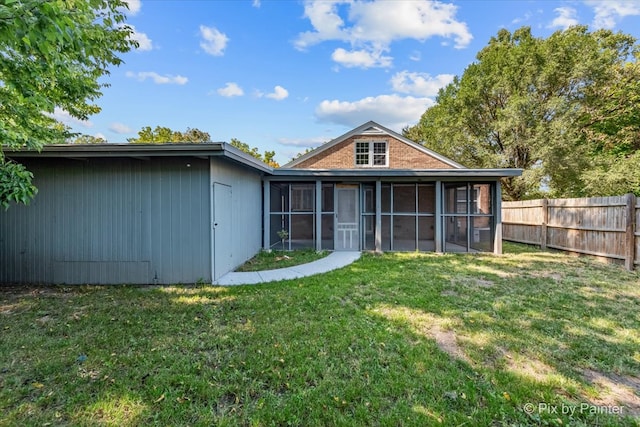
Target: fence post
pixel 630 240
pixel 545 220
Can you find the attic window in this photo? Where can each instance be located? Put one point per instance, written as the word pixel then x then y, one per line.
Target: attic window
pixel 371 153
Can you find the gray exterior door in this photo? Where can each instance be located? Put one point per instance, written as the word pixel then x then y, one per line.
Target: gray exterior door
pixel 347 227
pixel 222 244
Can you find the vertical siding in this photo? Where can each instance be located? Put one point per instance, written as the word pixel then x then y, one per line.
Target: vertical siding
pixel 521 221
pixel 110 221
pixel 176 222
pixel 246 187
pixel 24 240
pixel 595 226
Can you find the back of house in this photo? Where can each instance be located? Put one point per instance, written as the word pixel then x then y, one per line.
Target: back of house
pixel 187 213
pixel 373 189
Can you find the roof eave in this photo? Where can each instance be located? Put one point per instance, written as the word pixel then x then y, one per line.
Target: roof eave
pixel 119 150
pixel 235 154
pixel 358 131
pixel 330 144
pixel 81 151
pixel 389 173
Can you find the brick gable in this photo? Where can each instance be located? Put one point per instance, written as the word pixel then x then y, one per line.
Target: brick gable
pixel 401 156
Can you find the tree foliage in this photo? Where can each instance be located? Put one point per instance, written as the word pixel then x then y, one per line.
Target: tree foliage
pixel 302 153
pixel 15 184
pixel 267 157
pixel 556 107
pixel 165 135
pixel 85 139
pixel 52 55
pixel 612 129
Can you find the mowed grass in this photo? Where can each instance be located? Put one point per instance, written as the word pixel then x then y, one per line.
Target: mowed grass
pixel 280 259
pixel 528 338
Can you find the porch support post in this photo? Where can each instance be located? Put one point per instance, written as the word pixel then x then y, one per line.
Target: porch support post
pixel 378 235
pixel 266 214
pixel 497 241
pixel 318 212
pixel 438 217
pixel 212 217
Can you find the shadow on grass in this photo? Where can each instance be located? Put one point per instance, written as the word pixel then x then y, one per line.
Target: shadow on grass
pixel 399 339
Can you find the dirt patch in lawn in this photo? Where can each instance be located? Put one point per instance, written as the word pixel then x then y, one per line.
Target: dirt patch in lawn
pixel 615 390
pixel 447 342
pixel 524 365
pixel 429 325
pixel 472 282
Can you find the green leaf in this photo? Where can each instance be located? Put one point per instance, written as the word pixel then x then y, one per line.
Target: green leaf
pixel 53 55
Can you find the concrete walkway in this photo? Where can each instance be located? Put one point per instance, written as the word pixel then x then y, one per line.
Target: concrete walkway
pixel 331 262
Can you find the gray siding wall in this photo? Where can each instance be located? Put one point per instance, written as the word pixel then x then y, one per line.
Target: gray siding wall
pixel 109 221
pixel 246 187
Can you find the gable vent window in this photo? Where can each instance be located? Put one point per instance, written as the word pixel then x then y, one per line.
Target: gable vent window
pixel 371 153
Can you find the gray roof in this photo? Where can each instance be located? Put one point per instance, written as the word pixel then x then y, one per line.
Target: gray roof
pixel 465 173
pixel 80 151
pixel 222 149
pixel 375 129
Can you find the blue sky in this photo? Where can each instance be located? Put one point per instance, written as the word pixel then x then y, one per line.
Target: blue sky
pixel 286 75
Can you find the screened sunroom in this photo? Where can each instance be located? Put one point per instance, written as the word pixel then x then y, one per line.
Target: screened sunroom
pixel 379 215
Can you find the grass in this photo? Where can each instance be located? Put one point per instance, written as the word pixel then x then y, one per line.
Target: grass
pixel 528 338
pixel 281 259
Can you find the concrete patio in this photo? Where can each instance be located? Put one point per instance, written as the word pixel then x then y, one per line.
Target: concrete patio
pixel 333 261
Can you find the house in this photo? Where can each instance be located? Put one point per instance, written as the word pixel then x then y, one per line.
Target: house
pixel 186 213
pixel 133 213
pixel 373 189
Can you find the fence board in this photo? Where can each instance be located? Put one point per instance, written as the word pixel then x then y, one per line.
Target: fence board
pixel 601 226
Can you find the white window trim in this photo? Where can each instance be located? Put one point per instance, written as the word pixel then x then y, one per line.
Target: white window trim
pixel 371 144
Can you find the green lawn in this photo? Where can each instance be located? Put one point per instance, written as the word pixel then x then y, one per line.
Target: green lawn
pixel 280 259
pixel 392 340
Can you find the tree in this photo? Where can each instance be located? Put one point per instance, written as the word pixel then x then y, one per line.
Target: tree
pixel 302 153
pixel 165 135
pixel 52 54
pixel 522 104
pixel 86 139
pixel 612 129
pixel 267 157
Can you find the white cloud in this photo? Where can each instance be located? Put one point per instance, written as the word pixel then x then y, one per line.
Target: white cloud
pixel 134 7
pixel 565 19
pixel 306 142
pixel 373 25
pixel 326 22
pixel 527 16
pixel 144 42
pixel 63 116
pixel 157 78
pixel 230 90
pixel 394 110
pixel 361 58
pixel 415 56
pixel 279 93
pixel 256 3
pixel 420 84
pixel 119 128
pixel 608 12
pixel 213 41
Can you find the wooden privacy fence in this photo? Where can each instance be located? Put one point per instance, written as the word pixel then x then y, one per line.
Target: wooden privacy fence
pixel 600 226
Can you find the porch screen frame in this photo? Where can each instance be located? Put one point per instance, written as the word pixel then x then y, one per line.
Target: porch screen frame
pixel 469 216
